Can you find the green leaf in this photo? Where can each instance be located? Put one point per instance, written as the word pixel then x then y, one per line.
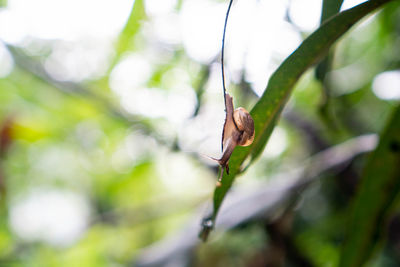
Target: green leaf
pixel 132 27
pixel 330 8
pixel 372 206
pixel 267 110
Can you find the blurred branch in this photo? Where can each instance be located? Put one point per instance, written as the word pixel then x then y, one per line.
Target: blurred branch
pixel 200 88
pixel 34 67
pixel 262 201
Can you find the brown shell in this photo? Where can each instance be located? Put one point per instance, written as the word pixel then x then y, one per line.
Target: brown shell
pixel 245 124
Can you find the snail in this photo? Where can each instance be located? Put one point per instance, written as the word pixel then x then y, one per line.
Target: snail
pixel 238 131
pixel 239 125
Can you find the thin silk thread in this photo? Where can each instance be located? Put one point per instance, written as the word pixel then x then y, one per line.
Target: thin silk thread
pixel 222 52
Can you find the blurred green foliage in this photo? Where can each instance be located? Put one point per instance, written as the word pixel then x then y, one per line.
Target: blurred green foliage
pixel 267 110
pixel 73 155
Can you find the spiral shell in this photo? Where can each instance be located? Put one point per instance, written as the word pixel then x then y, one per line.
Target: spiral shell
pixel 245 124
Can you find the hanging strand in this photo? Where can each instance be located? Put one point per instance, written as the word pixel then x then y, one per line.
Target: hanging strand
pixel 222 52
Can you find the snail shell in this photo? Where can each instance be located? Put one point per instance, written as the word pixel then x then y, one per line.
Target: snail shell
pixel 245 124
